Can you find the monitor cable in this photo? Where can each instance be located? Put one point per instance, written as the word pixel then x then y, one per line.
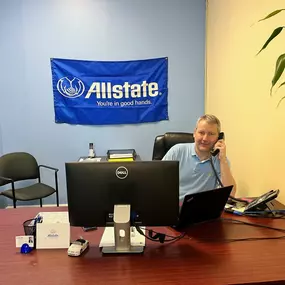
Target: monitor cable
pixel 234 221
pixel 159 237
pixel 272 214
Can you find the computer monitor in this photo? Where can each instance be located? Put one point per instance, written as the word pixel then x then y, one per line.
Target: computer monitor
pixel 123 194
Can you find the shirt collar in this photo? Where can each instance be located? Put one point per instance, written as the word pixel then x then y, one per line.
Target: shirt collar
pixel 193 153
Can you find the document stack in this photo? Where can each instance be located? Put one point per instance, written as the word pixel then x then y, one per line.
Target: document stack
pixel 121 155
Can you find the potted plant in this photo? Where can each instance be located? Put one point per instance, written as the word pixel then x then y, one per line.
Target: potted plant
pixel 280 62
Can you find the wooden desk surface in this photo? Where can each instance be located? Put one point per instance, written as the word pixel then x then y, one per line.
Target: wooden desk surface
pixel 189 261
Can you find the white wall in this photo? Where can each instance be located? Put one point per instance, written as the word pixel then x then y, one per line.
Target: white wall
pixel 238 85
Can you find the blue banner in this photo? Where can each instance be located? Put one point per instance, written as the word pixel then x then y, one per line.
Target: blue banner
pixel 110 92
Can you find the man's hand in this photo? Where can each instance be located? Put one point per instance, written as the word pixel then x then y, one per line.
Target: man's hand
pixel 220 144
pixel 226 175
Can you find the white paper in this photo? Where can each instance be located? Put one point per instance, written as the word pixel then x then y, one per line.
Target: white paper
pixel 20 240
pixel 89 159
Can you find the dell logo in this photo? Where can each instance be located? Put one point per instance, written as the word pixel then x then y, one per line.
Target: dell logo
pixel 122 172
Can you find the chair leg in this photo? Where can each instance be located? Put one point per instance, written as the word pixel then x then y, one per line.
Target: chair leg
pixel 41 202
pixel 13 191
pixel 56 189
pixel 57 201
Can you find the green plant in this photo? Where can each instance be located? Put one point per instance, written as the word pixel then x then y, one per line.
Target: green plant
pixel 280 62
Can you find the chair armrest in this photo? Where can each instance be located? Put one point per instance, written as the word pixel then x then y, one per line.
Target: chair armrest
pixel 55 179
pixel 49 167
pixel 9 180
pixel 5 181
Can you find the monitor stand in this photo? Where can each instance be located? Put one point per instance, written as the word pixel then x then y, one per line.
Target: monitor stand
pixel 122 232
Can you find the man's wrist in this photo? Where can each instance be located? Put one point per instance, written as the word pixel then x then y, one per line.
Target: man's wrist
pixel 223 160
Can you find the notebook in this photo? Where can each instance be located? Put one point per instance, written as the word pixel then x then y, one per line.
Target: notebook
pixel 203 206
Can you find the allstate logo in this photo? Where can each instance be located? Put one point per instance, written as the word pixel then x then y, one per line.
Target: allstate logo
pixel 70 88
pixel 52 234
pixel 122 172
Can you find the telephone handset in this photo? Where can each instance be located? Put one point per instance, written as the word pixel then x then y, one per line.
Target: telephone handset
pixel 216 151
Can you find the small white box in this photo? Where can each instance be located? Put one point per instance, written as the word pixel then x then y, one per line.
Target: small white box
pixel 53 231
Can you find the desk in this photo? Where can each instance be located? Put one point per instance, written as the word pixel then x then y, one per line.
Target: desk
pixel 188 261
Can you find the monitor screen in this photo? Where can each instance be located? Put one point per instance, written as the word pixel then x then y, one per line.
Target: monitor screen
pixel 151 188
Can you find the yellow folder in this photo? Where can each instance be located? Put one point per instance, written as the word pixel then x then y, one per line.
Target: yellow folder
pixel 121 159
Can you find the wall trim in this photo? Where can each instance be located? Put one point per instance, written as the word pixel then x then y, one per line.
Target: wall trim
pixel 47 205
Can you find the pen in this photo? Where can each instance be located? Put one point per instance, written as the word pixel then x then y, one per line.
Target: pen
pixel 38 219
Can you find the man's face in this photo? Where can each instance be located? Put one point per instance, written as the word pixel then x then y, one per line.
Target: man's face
pixel 206 135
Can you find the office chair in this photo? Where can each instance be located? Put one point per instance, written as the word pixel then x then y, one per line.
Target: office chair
pixel 163 143
pixel 19 166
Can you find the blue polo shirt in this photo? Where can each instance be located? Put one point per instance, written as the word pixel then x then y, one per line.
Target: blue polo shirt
pixel 194 175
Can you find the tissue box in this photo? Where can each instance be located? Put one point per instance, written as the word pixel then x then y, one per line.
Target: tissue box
pixel 53 231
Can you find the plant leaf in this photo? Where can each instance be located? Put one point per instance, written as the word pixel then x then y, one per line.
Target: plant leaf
pixel 274 34
pixel 283 83
pixel 280 101
pixel 279 68
pixel 271 14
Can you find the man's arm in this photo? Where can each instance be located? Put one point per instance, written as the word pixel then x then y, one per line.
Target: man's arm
pixel 171 154
pixel 226 174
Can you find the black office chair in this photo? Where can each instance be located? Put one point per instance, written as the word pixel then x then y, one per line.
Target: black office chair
pixel 163 143
pixel 19 166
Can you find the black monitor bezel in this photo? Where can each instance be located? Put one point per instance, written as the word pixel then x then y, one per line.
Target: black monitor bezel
pixel 160 206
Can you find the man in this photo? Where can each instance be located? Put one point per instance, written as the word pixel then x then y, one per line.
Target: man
pixel 195 171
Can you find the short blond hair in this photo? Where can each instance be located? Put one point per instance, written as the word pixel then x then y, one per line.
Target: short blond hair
pixel 210 119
